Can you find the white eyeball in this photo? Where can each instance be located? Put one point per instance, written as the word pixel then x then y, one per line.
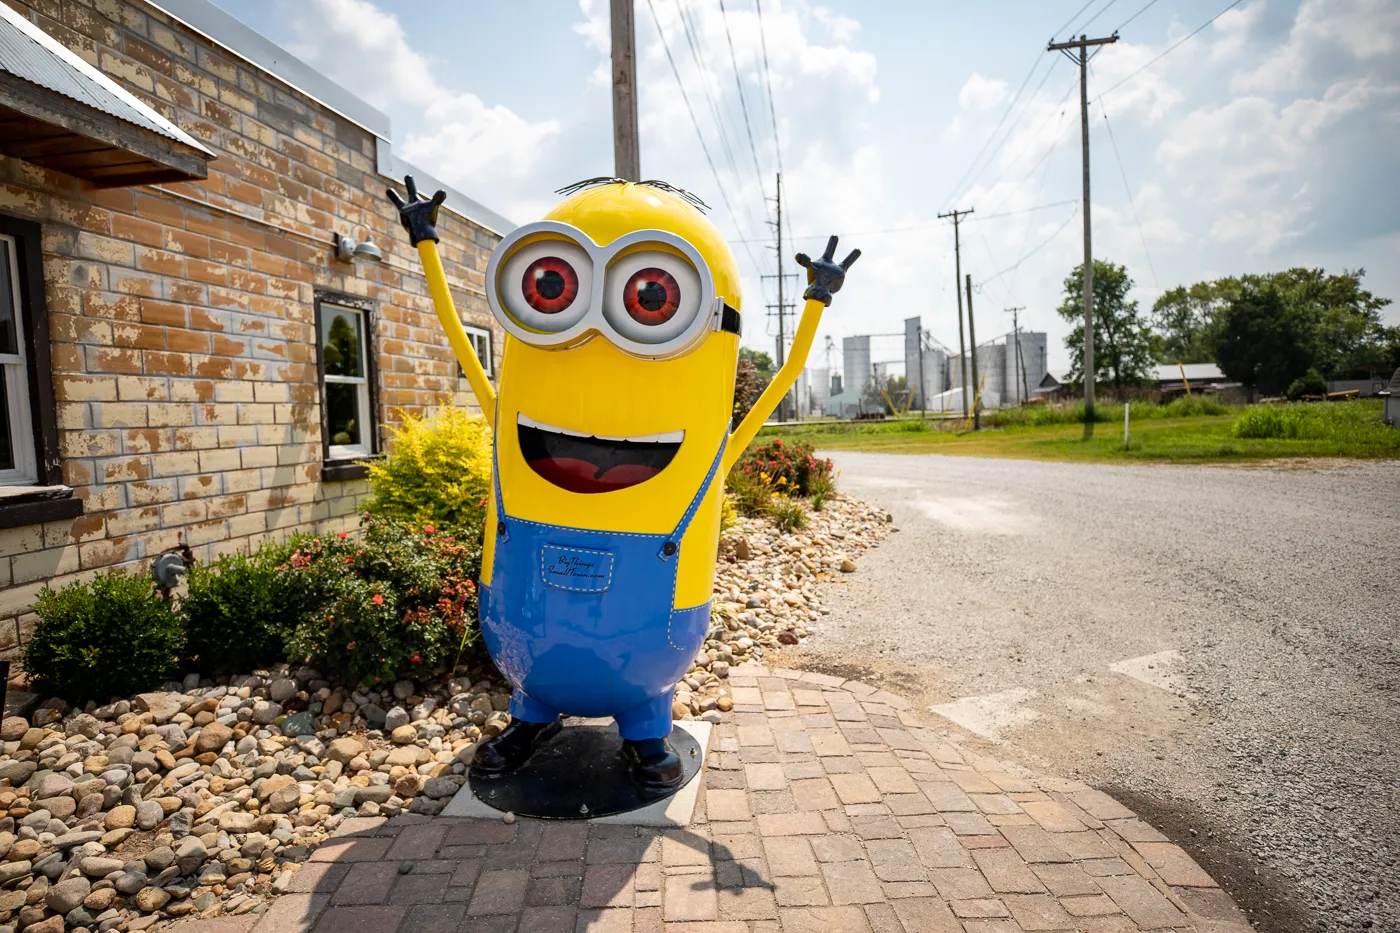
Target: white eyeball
pixel 546 285
pixel 651 296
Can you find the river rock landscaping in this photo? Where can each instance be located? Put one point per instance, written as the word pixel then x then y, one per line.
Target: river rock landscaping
pixel 205 797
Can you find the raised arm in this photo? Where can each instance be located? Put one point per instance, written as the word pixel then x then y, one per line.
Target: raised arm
pixel 824 279
pixel 419 217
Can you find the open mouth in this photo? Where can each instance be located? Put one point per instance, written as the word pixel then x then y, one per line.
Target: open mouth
pixel 582 462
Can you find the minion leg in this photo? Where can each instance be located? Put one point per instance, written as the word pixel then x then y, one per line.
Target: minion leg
pixel 522 707
pixel 651 720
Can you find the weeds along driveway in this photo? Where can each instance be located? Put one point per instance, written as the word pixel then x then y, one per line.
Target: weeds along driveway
pixel 1216 645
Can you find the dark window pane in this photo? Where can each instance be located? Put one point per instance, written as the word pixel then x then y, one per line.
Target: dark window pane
pixel 340 342
pixel 7 450
pixel 8 343
pixel 343 413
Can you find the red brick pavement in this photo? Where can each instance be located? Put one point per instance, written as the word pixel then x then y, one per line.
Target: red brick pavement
pixel 827 806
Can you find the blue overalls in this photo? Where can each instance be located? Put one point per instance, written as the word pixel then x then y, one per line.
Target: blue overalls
pixel 581 622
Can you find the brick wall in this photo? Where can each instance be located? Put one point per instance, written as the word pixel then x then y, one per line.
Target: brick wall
pixel 182 319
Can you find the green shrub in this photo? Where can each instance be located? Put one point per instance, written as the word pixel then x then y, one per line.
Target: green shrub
pixel 822 487
pixel 399 601
pixel 240 610
pixel 749 493
pixel 1310 383
pixel 788 467
pixel 437 471
pixel 112 637
pixel 1355 427
pixel 787 513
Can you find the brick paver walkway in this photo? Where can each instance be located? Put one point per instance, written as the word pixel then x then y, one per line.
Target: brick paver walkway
pixel 827 806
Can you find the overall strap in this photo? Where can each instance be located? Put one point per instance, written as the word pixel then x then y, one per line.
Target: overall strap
pixel 672 543
pixel 501 530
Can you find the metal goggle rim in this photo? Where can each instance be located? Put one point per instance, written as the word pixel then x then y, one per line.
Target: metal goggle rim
pixel 709 316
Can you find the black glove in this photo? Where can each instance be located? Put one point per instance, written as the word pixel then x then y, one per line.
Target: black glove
pixel 418 214
pixel 825 277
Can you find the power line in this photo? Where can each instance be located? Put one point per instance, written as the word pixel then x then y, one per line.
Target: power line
pixel 1044 243
pixel 738 83
pixel 969 175
pixel 1015 213
pixel 723 193
pixel 1149 6
pixel 1101 12
pixel 768 82
pixel 1031 136
pixel 1071 20
pixel 692 35
pixel 1127 189
pixel 1170 50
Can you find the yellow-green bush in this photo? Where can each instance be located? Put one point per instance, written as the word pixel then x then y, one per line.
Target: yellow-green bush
pixel 438 471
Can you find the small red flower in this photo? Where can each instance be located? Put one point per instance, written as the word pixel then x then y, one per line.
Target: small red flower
pixel 415 659
pixel 428 529
pixel 377 599
pixel 344 535
pixel 482 502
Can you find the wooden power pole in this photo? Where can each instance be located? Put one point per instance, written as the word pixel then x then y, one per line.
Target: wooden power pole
pixel 972 339
pixel 627 159
pixel 1083 44
pixel 1020 363
pixel 957 287
pixel 782 305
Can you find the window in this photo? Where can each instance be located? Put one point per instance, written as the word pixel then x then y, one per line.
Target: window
pixel 344 328
pixel 481 343
pixel 31 472
pixel 17 460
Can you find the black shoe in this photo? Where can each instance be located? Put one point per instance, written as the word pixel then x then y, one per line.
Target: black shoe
pixel 654 763
pixel 512 748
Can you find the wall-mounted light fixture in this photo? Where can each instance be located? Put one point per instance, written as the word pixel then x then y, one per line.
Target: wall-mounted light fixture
pixel 346 248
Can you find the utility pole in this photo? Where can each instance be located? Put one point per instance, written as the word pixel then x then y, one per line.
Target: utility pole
pixel 957 287
pixel 1083 44
pixel 627 160
pixel 1020 363
pixel 782 306
pixel 972 338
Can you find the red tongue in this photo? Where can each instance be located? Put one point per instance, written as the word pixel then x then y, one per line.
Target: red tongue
pixel 580 475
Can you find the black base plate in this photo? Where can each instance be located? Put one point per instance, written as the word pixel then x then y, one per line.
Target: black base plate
pixel 579 774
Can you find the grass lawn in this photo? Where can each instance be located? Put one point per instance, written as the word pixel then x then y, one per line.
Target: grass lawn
pixel 1340 429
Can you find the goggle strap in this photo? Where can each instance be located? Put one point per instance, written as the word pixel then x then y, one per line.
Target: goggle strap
pixel 730 321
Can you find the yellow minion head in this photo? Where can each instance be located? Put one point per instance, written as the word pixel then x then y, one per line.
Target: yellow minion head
pixel 621 308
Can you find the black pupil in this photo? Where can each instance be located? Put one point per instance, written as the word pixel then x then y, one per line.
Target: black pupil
pixel 652 296
pixel 550 284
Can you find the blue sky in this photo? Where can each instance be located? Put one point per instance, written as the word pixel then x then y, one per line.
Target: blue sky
pixel 1268 140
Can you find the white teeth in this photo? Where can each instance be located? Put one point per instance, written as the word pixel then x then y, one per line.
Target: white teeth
pixel 671 437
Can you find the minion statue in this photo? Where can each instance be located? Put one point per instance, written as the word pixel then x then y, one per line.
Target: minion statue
pixel 611 442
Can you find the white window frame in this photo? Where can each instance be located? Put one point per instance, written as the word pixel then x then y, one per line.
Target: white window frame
pixel 366 448
pixel 16 375
pixel 481 337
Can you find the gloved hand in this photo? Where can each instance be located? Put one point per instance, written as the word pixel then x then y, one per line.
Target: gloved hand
pixel 824 276
pixel 418 214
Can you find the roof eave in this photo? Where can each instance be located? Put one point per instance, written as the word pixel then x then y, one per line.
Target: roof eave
pixel 154 157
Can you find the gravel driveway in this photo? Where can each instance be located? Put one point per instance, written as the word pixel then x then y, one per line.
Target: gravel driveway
pixel 1219 647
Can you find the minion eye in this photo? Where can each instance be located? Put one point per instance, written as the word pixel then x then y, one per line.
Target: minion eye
pixel 651 296
pixel 545 285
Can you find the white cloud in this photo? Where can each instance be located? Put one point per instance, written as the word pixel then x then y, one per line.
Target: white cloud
pixel 979 93
pixel 488 152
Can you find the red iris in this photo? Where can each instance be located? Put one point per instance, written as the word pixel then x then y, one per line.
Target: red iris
pixel 651 296
pixel 550 285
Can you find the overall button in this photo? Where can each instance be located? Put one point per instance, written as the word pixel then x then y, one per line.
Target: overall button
pixel 500 528
pixel 668 548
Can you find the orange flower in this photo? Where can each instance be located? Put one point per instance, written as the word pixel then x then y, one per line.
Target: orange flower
pixel 378 599
pixel 428 529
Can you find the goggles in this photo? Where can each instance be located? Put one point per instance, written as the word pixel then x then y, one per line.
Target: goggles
pixel 649 293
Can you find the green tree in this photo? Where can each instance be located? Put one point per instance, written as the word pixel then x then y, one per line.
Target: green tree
pixel 762 364
pixel 1122 339
pixel 1261 339
pixel 1183 317
pixel 1344 333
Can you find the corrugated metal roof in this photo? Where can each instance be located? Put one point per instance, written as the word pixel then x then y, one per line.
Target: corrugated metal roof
pixel 1171 372
pixel 29 53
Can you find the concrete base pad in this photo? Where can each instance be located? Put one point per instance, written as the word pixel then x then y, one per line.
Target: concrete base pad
pixel 675 810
